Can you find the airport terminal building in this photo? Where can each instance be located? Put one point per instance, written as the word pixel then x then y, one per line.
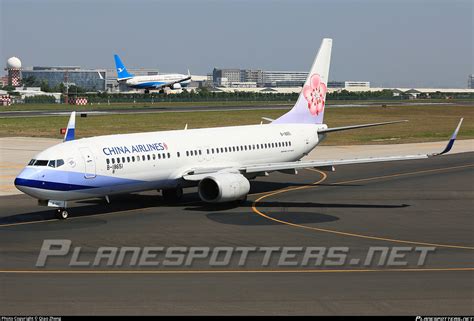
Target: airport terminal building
pixel 89 79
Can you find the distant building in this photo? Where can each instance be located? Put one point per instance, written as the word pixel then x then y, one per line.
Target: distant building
pixel 250 75
pixel 470 82
pixel 88 79
pixel 225 76
pixel 229 78
pixel 4 81
pixel 349 84
pixel 284 78
pixel 14 71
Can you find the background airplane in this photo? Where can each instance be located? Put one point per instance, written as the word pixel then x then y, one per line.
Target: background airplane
pixel 153 82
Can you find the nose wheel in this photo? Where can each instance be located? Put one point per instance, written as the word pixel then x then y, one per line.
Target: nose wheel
pixel 62 213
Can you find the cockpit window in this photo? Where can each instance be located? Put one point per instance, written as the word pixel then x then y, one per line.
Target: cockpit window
pixel 49 163
pixel 40 162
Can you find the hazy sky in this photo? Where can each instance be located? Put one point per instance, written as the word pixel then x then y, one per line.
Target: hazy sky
pixel 410 43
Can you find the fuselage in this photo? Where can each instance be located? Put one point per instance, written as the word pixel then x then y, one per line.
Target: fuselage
pixel 116 164
pixel 156 81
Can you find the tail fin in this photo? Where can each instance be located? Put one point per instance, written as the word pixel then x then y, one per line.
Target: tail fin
pixel 309 108
pixel 122 72
pixel 71 127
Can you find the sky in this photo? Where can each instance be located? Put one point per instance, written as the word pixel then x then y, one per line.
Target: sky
pixel 403 43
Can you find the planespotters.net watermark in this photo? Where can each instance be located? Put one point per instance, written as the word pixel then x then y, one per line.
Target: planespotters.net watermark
pixel 223 256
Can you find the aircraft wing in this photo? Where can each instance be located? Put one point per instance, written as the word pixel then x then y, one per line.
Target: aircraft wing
pixel 198 174
pixel 170 84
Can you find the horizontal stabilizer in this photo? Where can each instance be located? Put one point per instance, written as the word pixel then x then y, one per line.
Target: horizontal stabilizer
pixel 336 129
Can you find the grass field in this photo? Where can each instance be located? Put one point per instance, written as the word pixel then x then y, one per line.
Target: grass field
pixel 223 103
pixel 426 123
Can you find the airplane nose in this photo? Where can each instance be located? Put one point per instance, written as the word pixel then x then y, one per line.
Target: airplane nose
pixel 25 178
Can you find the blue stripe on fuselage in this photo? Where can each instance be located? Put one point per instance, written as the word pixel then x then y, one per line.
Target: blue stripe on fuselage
pixel 151 84
pixel 58 180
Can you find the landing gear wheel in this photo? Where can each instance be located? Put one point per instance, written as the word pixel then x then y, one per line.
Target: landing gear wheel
pixel 62 213
pixel 173 194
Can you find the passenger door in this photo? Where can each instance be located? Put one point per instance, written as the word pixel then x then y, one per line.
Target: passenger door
pixel 88 157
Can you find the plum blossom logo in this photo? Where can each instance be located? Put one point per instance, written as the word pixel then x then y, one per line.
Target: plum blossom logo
pixel 315 94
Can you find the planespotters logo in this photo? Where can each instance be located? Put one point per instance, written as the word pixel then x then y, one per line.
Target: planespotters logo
pixel 431 318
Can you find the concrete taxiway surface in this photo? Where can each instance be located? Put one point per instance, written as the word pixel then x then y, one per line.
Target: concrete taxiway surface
pixel 409 204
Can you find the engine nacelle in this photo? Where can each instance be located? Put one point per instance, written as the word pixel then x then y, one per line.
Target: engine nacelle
pixel 223 188
pixel 176 86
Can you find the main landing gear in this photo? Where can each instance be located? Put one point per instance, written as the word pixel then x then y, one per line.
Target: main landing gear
pixel 62 213
pixel 172 195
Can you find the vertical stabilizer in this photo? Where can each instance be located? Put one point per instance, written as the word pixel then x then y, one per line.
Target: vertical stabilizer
pixel 71 127
pixel 309 108
pixel 122 72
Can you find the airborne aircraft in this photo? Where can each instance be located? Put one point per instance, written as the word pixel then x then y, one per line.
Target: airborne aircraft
pixel 153 82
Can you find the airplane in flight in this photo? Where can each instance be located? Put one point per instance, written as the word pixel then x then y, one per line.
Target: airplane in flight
pixel 219 161
pixel 153 82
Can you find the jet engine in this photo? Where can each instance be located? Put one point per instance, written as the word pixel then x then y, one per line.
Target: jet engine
pixel 176 86
pixel 224 187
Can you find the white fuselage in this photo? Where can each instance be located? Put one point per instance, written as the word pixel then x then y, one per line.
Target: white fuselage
pixel 115 164
pixel 156 81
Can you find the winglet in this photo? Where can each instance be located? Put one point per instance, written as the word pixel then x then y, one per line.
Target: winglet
pixel 450 144
pixel 71 125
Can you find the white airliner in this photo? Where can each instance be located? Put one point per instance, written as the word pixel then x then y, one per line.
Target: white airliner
pixel 153 82
pixel 220 161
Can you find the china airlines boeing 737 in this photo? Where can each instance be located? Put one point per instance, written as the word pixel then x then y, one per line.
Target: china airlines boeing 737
pixel 220 161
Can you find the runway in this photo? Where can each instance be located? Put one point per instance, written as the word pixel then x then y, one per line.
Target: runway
pixel 97 110
pixel 412 203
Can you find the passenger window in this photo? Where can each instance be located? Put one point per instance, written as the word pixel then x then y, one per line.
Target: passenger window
pixel 133 158
pixel 123 159
pixel 200 152
pixel 143 157
pixel 159 155
pixel 128 159
pixel 113 160
pixel 169 155
pixel 177 154
pixel 108 161
pixel 212 150
pixel 154 156
pixel 208 151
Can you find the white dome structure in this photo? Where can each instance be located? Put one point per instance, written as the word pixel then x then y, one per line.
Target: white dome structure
pixel 13 63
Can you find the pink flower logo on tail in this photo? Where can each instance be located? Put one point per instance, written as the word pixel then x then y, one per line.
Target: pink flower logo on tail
pixel 315 94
